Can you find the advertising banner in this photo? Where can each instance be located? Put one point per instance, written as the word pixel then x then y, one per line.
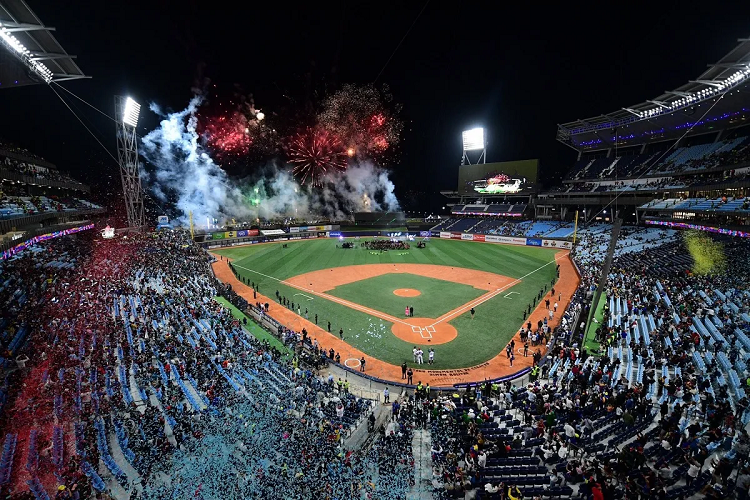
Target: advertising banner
pixel 533 242
pixel 44 237
pixel 294 230
pixel 242 233
pixel 455 236
pixel 467 237
pixel 162 219
pixel 424 234
pixel 444 234
pixel 252 232
pixel 230 234
pixel 272 232
pixel 303 229
pixel 334 234
pixel 508 240
pixel 557 244
pixel 478 237
pixel 218 236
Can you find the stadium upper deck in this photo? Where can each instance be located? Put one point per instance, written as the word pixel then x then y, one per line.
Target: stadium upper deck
pixel 722 89
pixel 35 196
pixel 692 142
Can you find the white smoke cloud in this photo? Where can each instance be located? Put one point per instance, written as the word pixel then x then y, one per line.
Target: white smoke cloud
pixel 182 166
pixel 182 172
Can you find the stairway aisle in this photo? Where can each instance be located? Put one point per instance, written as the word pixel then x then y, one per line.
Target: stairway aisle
pixel 421 446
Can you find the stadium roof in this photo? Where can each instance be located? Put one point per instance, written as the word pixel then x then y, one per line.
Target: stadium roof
pixel 32 55
pixel 723 88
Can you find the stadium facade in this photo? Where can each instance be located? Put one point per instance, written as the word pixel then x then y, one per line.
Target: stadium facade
pixel 36 199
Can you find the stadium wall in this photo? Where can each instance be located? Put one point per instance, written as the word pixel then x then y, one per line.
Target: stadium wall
pixel 507 240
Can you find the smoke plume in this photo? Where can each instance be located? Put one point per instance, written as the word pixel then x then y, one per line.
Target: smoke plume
pixel 182 175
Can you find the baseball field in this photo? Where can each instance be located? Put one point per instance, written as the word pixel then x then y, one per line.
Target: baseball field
pixel 364 294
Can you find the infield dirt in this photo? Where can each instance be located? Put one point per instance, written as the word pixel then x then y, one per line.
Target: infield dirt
pixel 318 282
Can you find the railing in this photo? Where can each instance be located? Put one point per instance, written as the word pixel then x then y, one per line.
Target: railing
pixel 41 181
pixel 26 235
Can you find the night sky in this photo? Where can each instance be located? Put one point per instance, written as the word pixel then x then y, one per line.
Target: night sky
pixel 516 70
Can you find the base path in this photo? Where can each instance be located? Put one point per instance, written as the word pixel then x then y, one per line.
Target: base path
pixel 498 366
pixel 328 279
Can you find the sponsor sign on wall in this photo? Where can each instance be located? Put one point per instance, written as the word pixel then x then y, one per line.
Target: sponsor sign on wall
pixel 557 244
pixel 533 242
pixel 507 240
pixel 294 230
pixel 218 236
pixel 253 232
pixel 478 237
pixel 444 234
pixel 424 234
pixel 466 236
pixel 242 233
pixel 334 234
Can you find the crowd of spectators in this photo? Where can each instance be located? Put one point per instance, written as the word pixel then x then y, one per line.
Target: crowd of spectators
pixel 659 412
pixel 125 359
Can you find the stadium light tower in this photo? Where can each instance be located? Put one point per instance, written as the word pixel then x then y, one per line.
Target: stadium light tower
pixel 126 114
pixel 473 140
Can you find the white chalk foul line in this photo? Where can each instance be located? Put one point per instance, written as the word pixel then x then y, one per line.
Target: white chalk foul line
pixel 484 298
pixel 257 272
pixel 351 305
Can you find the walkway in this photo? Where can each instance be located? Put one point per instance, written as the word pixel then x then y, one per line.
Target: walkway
pixel 421 445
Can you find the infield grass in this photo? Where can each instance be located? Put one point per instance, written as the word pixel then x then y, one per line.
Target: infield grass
pixel 437 296
pixel 479 340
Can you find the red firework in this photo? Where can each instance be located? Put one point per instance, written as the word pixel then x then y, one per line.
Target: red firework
pixel 316 152
pixel 229 135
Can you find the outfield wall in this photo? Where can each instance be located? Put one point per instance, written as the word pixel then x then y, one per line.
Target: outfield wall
pixel 507 240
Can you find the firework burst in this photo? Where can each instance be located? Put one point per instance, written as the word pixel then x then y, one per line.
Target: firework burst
pixel 314 153
pixel 363 118
pixel 229 135
pixel 232 127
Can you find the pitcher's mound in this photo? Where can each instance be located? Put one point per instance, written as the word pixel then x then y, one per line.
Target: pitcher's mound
pixel 407 292
pixel 422 331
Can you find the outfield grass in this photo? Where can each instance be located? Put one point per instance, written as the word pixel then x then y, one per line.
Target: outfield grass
pixel 252 327
pixel 438 296
pixel 478 340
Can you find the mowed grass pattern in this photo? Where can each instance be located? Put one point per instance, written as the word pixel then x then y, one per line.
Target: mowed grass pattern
pixel 437 298
pixel 479 339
